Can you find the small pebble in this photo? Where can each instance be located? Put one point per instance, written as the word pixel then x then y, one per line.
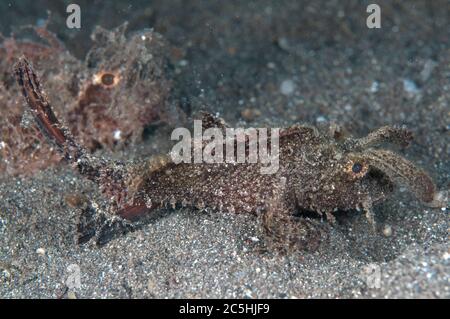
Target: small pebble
pixel 6 274
pixel 321 119
pixel 250 114
pixel 410 86
pixel 283 43
pixel 374 87
pixel 71 295
pixel 427 70
pixel 76 200
pixel 2 224
pixel 446 256
pixel 287 87
pixel 387 231
pixel 40 251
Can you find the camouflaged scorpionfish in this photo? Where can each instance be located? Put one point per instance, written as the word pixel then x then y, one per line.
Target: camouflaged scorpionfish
pixel 317 172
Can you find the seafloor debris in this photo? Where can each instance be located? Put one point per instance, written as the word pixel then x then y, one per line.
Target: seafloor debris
pixel 106 100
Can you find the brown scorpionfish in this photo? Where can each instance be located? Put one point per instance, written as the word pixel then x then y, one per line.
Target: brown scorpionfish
pixel 318 172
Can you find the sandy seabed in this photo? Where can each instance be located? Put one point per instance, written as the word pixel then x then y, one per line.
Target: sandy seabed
pixel 305 61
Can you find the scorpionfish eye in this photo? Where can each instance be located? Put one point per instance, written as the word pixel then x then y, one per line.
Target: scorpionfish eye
pixel 357 168
pixel 106 79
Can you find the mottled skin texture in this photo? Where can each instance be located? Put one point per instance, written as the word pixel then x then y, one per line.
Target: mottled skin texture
pixel 319 171
pixel 105 99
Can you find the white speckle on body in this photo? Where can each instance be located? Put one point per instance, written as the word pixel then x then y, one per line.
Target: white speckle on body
pixel 117 135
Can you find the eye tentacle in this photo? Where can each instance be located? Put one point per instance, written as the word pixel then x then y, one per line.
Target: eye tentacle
pixel 402 170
